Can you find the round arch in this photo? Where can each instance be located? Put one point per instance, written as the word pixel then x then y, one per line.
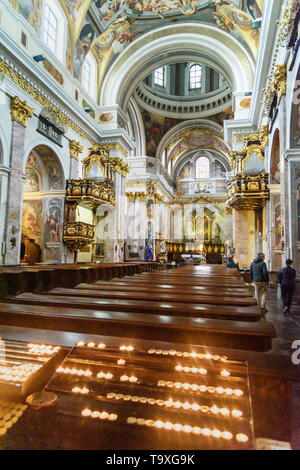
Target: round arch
pixel 135 117
pixel 157 47
pixel 46 143
pixel 190 124
pixel 193 155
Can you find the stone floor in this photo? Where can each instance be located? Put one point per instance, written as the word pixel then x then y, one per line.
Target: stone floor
pixel 288 330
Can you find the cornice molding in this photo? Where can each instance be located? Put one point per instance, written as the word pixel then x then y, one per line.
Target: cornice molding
pixel 4 170
pixel 41 83
pixel 43 86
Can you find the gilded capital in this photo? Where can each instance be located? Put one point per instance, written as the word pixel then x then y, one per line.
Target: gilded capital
pixel 75 149
pixel 130 197
pixel 20 111
pixel 280 80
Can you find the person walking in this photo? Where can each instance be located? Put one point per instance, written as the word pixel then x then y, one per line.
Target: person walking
pixel 287 281
pixel 260 278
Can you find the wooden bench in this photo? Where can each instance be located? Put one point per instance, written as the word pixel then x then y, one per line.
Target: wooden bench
pixel 150 295
pixel 162 274
pixel 224 333
pixel 41 278
pixel 238 313
pixel 162 288
pixel 185 281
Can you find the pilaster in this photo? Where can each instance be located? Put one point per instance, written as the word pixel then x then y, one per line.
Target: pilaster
pixel 15 196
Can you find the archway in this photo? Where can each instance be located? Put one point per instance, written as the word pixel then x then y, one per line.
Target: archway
pixel 169 45
pixel 42 216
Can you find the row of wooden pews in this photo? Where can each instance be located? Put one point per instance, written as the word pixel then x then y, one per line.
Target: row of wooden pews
pixel 151 361
pixel 44 277
pixel 207 305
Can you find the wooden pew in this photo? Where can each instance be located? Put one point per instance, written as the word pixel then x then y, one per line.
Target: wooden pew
pixel 255 336
pixel 150 295
pixel 41 278
pixel 205 281
pixel 163 289
pixel 234 281
pixel 185 272
pixel 238 313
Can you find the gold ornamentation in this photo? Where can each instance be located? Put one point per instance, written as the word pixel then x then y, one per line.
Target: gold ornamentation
pixel 130 197
pixel 20 111
pixel 141 196
pixel 253 144
pixel 248 192
pixel 75 149
pixel 188 248
pixel 35 94
pixel 150 193
pixel 280 80
pixel 90 191
pixel 120 166
pixel 114 146
pixel 78 234
pixel 253 186
pixel 100 154
pixel 277 79
pixel 201 199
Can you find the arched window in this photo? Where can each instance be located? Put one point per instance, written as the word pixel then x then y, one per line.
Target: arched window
pixel 202 168
pixel 89 75
pixel 54 28
pixel 159 77
pixel 195 74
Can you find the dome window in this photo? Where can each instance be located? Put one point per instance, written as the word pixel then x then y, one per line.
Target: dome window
pixel 195 77
pixel 159 77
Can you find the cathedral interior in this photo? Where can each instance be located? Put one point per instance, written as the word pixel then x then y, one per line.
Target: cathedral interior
pixel 144 144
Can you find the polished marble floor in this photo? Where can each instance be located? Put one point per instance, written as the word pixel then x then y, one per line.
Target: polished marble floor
pixel 288 330
pixel 287 327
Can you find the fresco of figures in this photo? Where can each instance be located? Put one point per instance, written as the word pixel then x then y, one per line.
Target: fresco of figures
pixel 197 138
pixel 122 20
pixel 155 128
pixel 53 223
pixel 32 219
pixel 31 10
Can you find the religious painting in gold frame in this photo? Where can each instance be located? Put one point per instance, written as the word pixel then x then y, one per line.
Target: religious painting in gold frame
pixel 99 250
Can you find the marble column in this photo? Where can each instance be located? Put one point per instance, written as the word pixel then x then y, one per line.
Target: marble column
pixel 143 228
pixel 74 168
pixel 4 178
pixel 75 149
pixel 244 237
pixel 118 216
pixel 15 196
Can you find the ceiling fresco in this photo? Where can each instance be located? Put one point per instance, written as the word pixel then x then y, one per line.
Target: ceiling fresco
pixel 106 27
pixel 196 138
pixel 156 127
pixel 122 21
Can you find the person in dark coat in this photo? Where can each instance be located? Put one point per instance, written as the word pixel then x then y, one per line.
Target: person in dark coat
pixel 230 263
pixel 260 278
pixel 287 281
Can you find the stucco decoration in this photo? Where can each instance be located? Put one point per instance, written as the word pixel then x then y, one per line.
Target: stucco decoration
pixel 116 23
